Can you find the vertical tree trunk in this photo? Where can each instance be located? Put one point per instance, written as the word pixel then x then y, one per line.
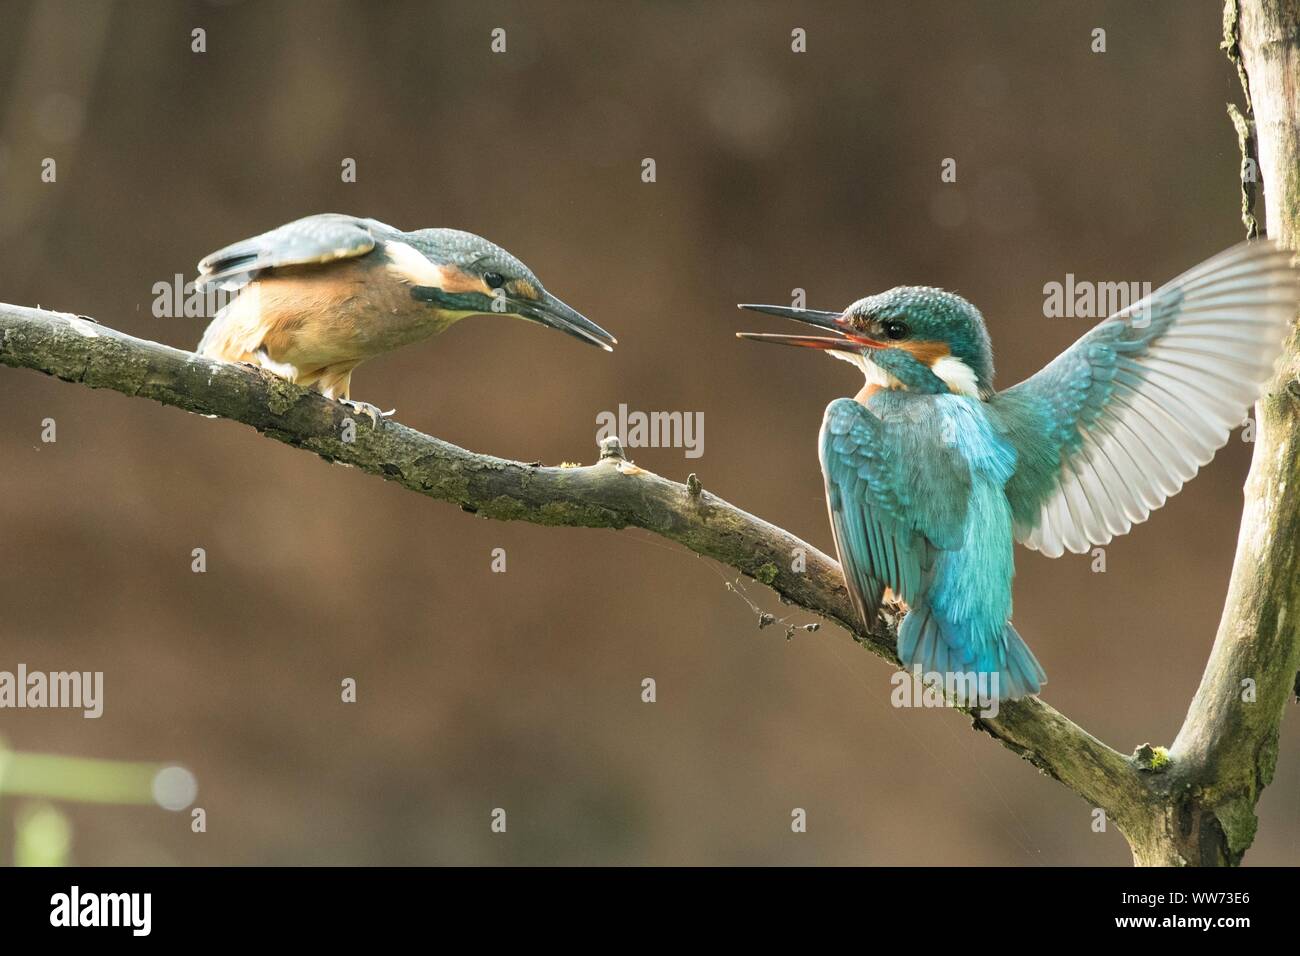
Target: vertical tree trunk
pixel 1226 752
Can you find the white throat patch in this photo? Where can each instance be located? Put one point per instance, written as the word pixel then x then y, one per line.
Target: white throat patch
pixel 952 371
pixel 873 373
pixel 411 265
pixel 957 375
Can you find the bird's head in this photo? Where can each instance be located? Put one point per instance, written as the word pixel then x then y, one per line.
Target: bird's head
pixel 462 274
pixel 911 337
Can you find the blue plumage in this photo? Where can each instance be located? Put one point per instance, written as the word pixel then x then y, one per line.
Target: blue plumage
pixel 932 471
pixel 931 474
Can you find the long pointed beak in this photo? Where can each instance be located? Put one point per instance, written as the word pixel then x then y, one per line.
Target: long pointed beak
pixel 554 314
pixel 834 321
pixel 823 320
pixel 811 341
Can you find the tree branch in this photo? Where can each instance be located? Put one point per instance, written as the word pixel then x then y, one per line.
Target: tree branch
pixel 613 493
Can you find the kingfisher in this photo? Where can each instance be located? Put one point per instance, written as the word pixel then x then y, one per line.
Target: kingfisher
pixel 931 473
pixel 320 295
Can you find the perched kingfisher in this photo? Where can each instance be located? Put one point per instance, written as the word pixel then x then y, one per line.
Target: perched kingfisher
pixel 931 473
pixel 332 291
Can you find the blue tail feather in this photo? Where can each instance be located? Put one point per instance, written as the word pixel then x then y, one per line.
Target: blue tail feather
pixel 924 641
pixel 1022 675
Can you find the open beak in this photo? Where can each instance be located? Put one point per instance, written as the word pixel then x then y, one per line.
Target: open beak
pixel 847 341
pixel 554 314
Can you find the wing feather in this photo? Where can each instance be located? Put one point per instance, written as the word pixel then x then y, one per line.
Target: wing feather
pixel 1117 423
pixel 896 493
pixel 327 237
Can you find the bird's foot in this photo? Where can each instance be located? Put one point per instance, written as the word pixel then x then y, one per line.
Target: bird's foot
pixel 370 411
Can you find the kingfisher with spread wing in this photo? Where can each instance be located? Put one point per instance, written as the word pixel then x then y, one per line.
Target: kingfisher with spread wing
pixel 320 295
pixel 932 474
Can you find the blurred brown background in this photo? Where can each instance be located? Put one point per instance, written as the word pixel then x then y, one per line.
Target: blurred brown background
pixel 522 690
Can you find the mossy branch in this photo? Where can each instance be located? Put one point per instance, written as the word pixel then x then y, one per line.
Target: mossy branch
pixel 612 493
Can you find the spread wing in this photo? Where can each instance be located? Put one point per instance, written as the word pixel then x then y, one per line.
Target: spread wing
pixel 314 239
pixel 1119 421
pixel 897 494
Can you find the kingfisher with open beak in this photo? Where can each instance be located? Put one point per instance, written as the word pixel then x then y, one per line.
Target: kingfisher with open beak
pixel 320 295
pixel 931 473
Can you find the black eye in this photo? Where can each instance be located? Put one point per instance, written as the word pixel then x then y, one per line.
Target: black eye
pixel 494 280
pixel 895 330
